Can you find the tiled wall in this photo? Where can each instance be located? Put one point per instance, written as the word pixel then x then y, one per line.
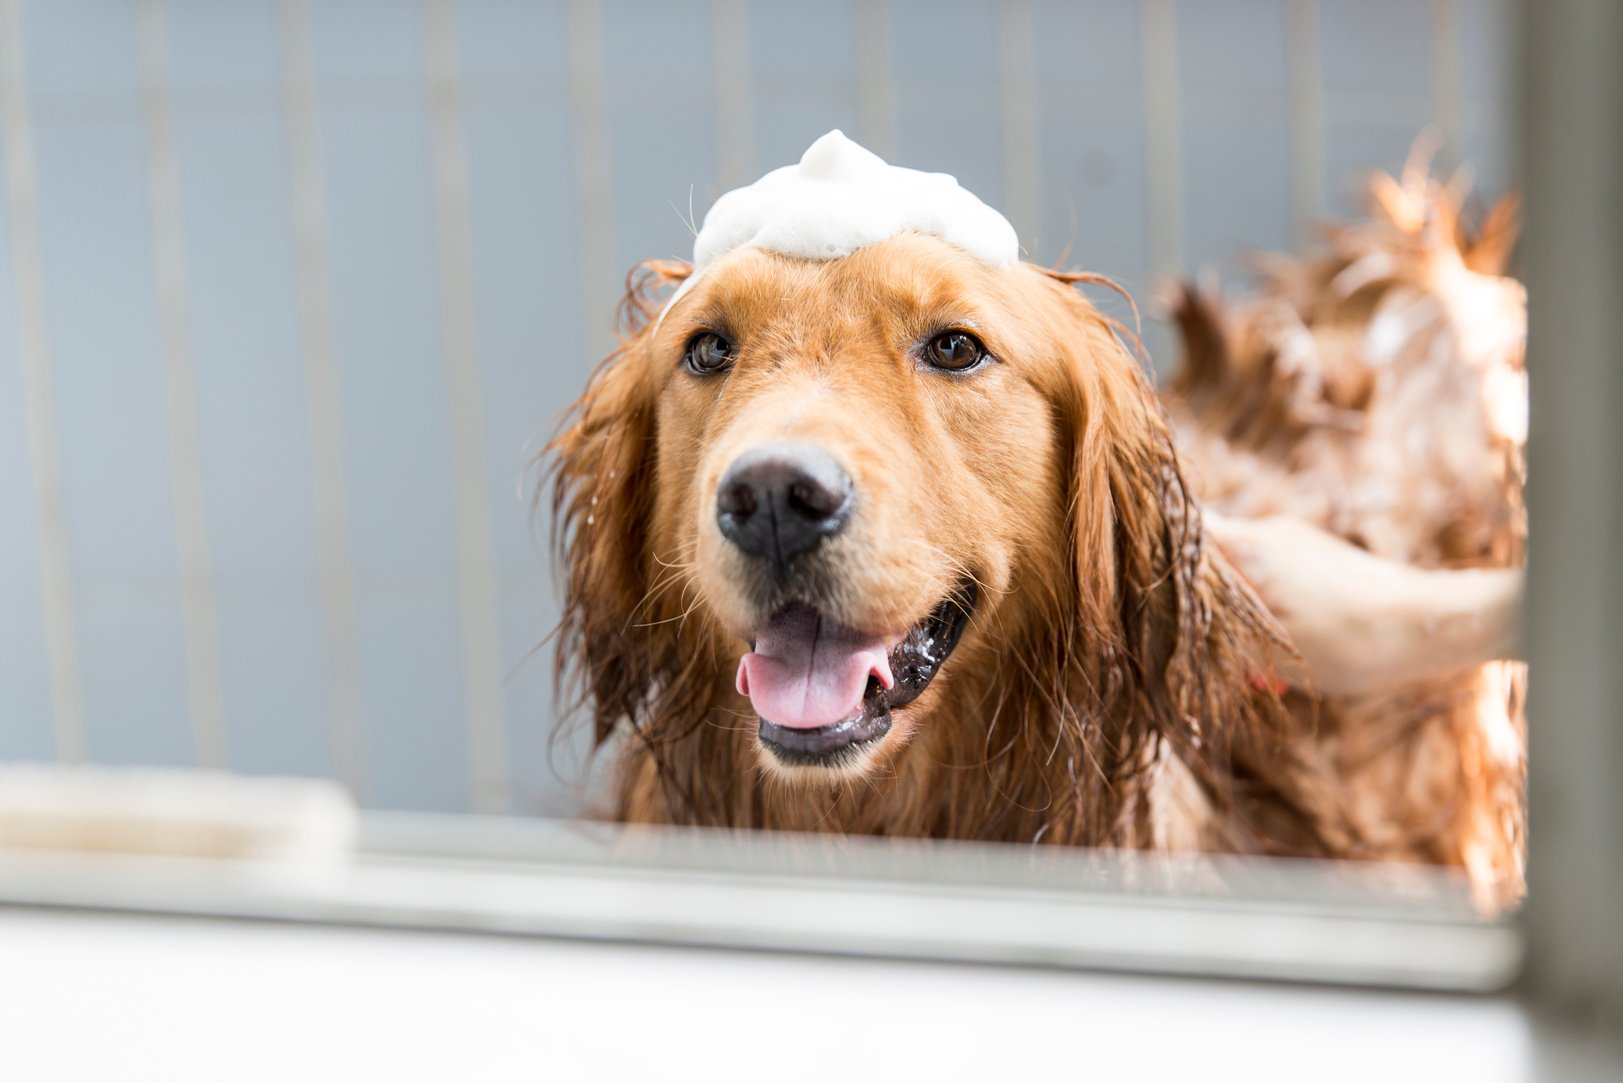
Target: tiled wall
pixel 287 285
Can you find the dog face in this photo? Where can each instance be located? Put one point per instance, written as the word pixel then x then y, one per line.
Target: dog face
pixel 855 457
pixel 853 507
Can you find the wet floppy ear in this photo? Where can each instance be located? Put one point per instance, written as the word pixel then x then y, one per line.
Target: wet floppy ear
pixel 1144 522
pixel 1105 409
pixel 1140 571
pixel 1171 639
pixel 602 474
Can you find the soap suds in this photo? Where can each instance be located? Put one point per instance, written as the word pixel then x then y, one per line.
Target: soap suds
pixel 841 197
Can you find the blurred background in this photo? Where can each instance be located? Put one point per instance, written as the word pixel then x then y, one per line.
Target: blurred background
pixel 286 286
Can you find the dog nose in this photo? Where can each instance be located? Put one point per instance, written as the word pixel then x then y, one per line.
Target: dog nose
pixel 778 500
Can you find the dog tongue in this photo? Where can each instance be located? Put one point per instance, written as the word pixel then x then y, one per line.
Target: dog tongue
pixel 807 671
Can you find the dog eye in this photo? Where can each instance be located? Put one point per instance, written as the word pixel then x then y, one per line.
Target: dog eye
pixel 956 351
pixel 708 353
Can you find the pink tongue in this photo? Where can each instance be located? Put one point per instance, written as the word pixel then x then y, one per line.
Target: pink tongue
pixel 807 671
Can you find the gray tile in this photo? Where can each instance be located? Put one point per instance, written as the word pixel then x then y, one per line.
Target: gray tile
pixel 254 426
pixel 26 715
pixel 273 662
pixel 113 429
pixel 1095 196
pixel 368 41
pixel 1376 45
pixel 389 342
pixel 1490 153
pixel 27 721
pixel 101 318
pixel 542 763
pixel 246 351
pixel 657 50
pixel 1236 191
pixel 214 46
pixel 948 98
pixel 389 345
pixel 532 353
pixel 1233 45
pixel 1488 84
pixel 135 690
pixel 664 162
pixel 795 45
pixel 513 39
pixel 1096 209
pixel 1160 346
pixel 942 42
pixel 1487 46
pixel 81 48
pixel 415 737
pixel 1096 43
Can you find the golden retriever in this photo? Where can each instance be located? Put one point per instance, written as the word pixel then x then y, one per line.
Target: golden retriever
pixel 931 513
pixel 988 496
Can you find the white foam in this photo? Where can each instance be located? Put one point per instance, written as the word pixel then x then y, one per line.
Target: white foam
pixel 841 197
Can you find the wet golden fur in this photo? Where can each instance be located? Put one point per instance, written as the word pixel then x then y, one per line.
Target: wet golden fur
pixel 1377 389
pixel 1110 688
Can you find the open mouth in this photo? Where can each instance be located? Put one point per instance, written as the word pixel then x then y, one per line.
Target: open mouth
pixel 824 692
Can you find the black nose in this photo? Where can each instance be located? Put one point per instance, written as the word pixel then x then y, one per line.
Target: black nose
pixel 778 500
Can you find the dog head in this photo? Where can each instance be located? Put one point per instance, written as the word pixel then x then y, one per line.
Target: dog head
pixel 822 513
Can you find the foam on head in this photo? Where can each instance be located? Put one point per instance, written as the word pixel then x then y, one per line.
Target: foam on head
pixel 841 197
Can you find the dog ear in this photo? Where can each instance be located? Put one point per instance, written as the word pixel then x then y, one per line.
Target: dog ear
pixel 1138 543
pixel 601 469
pixel 1175 647
pixel 1168 637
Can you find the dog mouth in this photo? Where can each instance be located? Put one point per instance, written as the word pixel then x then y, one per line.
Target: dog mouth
pixel 824 692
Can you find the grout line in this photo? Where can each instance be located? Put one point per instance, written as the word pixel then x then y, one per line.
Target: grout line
pixel 1448 91
pixel 197 598
pixel 1017 85
pixel 876 85
pixel 735 141
pixel 593 184
pixel 333 556
pixel 1307 119
pixel 1163 136
pixel 50 522
pixel 481 647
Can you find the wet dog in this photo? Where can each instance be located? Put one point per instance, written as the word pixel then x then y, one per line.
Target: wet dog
pixel 899 544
